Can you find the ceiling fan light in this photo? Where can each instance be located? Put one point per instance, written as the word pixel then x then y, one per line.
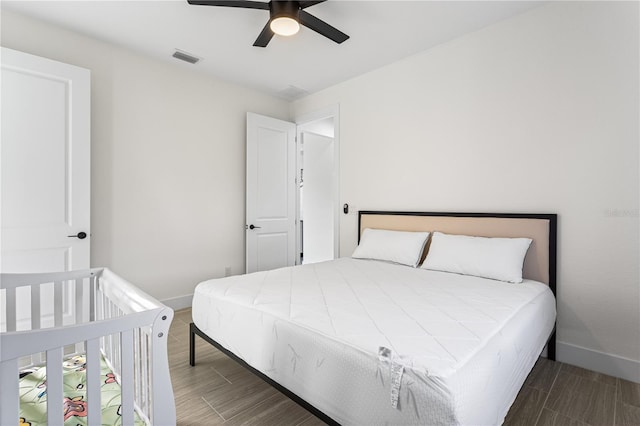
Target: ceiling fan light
pixel 285 26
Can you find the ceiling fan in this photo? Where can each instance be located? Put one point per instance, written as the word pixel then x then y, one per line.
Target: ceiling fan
pixel 285 18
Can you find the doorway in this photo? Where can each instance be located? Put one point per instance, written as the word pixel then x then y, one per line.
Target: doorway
pixel 318 185
pixel 286 214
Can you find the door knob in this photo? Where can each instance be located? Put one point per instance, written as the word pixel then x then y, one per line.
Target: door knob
pixel 80 235
pixel 253 226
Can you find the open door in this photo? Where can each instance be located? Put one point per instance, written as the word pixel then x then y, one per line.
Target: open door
pixel 271 193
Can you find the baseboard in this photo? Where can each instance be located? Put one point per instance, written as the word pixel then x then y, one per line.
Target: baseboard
pixel 180 302
pixel 601 362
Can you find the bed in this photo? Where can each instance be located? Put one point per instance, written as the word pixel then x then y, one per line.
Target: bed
pixel 82 347
pixel 363 340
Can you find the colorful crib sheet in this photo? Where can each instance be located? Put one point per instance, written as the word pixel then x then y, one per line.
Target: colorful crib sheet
pixel 33 395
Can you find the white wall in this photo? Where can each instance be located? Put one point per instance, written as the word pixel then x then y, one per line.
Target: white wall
pixel 538 113
pixel 168 160
pixel 323 127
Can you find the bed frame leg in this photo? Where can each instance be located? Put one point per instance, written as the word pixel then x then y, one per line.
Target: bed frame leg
pixel 551 347
pixel 192 345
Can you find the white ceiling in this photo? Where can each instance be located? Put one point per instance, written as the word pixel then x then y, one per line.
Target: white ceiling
pixel 289 67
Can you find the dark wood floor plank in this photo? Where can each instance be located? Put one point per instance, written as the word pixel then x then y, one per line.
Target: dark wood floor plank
pixel 552 418
pixel 526 408
pixel 588 374
pixel 231 369
pixel 276 411
pixel 543 374
pixel 239 396
pixel 629 392
pixel 193 410
pixel 580 398
pixel 183 315
pixel 627 415
pixel 200 379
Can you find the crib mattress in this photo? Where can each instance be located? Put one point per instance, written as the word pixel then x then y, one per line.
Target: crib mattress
pixel 338 333
pixel 33 395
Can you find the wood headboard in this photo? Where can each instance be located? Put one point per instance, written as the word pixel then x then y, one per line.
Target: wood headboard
pixel 540 261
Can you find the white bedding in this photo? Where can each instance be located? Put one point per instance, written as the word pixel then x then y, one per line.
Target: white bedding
pixel 466 343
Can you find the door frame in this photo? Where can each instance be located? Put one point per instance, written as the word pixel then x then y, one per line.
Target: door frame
pixel 302 120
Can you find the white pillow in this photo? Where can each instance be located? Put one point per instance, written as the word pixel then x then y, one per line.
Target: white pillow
pixel 496 258
pixel 393 246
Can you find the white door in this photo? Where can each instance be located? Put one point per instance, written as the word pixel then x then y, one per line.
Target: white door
pixel 45 164
pixel 271 193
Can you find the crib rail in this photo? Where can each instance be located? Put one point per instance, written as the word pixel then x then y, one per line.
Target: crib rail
pixel 93 312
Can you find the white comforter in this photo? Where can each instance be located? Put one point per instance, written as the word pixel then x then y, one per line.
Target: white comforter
pixel 466 344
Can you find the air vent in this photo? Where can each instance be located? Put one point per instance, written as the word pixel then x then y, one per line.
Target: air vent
pixel 184 56
pixel 292 93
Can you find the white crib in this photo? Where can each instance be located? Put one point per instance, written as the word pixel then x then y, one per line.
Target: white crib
pixel 45 318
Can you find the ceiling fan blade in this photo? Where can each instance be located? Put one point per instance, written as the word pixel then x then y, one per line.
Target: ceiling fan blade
pixel 322 27
pixel 265 36
pixel 246 4
pixel 305 4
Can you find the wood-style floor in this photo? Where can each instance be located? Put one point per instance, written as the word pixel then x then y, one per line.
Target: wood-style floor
pixel 219 391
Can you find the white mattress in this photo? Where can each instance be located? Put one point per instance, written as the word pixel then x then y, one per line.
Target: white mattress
pixel 466 343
